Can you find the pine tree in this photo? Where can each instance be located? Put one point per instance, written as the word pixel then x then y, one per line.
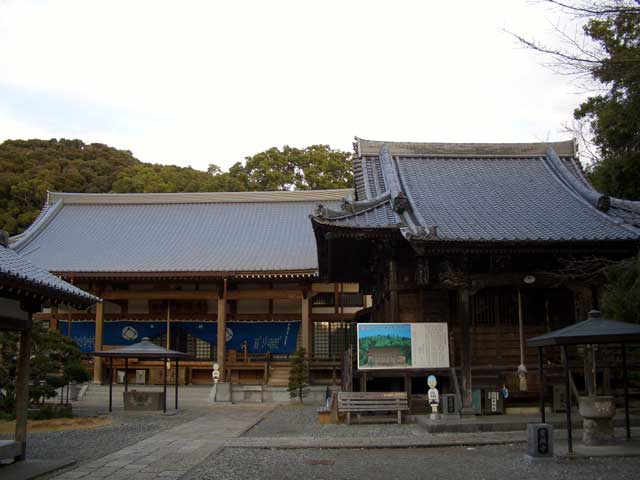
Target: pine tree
pixel 299 374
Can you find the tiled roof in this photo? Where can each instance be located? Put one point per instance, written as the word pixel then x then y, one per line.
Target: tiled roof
pixel 211 232
pixel 17 271
pixel 372 148
pixel 484 192
pixel 626 210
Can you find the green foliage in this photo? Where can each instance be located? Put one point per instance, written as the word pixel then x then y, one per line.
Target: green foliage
pixel 313 168
pixel 621 297
pixel 75 372
pixel 50 353
pixel 299 374
pixel 614 116
pixel 30 168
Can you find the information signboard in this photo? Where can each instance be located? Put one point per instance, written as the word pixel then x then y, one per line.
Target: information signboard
pixel 384 346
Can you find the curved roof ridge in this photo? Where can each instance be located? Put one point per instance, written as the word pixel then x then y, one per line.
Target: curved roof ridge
pixel 527 149
pixel 48 212
pixel 199 197
pixel 324 213
pixel 595 198
pixel 633 205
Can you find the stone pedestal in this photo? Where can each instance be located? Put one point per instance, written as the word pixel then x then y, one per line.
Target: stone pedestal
pixel 143 401
pixel 597 413
pixel 539 440
pixel 598 431
pixel 449 405
pixel 223 392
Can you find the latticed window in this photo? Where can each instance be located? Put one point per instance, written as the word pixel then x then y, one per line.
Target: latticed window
pixel 201 349
pixel 331 339
pixel 196 348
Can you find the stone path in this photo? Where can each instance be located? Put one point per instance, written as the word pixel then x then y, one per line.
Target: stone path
pixel 171 453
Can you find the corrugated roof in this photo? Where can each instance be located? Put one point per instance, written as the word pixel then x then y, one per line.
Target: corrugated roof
pixel 21 272
pixel 247 232
pixel 484 192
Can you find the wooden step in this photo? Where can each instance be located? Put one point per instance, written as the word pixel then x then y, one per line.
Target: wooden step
pixel 279 376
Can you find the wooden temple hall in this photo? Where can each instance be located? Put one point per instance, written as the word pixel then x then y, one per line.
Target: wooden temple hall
pixel 224 277
pixel 498 241
pixel 493 240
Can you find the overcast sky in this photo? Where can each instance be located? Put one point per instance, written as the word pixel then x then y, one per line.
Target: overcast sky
pixel 200 82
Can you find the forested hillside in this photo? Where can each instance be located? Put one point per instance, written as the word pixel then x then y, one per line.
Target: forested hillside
pixel 29 168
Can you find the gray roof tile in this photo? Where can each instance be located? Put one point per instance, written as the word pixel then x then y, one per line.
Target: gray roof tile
pixel 251 232
pixel 17 269
pixel 501 199
pixel 485 192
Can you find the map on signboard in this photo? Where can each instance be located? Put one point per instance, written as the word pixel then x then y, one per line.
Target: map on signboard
pixel 402 345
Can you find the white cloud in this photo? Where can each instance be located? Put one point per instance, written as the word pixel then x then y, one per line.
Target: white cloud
pixel 202 82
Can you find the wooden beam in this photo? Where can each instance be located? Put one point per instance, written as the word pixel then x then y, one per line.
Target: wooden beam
pixel 97 361
pixel 160 295
pixel 328 317
pixel 265 294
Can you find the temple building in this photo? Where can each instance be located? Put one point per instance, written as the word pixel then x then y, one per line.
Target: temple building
pixel 487 238
pixel 496 243
pixel 225 277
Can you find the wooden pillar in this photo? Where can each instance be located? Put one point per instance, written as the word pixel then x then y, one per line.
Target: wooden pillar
pixel 464 320
pixel 222 331
pixel 22 390
pixel 567 380
pixel 97 361
pixel 110 384
pixel 393 292
pixel 53 320
pixel 306 326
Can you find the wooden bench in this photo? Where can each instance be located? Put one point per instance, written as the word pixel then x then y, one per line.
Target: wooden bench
pixel 359 402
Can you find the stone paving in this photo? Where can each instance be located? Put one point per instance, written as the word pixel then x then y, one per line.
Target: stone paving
pixel 231 441
pixel 171 453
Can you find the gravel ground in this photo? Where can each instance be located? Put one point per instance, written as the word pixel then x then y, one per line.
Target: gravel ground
pixel 296 421
pixel 451 463
pixel 88 444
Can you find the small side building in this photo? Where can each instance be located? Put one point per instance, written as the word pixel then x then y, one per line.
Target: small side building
pixel 24 289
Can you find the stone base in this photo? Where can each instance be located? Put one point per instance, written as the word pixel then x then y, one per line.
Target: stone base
pixel 598 431
pixel 143 401
pixel 529 459
pixel 435 417
pixel 223 392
